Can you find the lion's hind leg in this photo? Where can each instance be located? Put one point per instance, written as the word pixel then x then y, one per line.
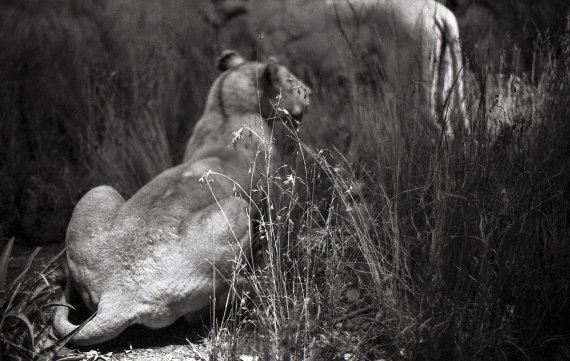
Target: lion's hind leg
pixel 107 323
pixel 92 217
pixel 87 249
pixel 226 241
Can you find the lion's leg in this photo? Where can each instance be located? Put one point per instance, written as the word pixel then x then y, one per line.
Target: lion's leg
pixel 450 93
pixel 458 72
pixel 92 216
pixel 87 242
pixel 224 295
pixel 107 323
pixel 228 226
pixel 222 300
pixel 85 239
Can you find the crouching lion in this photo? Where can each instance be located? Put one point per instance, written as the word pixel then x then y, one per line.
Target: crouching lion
pixel 151 259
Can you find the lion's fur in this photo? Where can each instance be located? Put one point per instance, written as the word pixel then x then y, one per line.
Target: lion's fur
pixel 418 45
pixel 150 259
pixel 413 44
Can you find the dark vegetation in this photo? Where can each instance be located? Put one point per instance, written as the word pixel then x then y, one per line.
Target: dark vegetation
pixel 406 245
pixel 93 93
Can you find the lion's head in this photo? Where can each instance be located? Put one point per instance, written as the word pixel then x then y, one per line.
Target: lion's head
pixel 267 88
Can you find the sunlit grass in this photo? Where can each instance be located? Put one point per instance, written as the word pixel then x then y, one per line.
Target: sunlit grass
pixel 25 305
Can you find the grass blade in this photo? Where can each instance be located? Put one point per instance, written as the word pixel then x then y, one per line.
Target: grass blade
pixel 29 327
pixel 27 268
pixel 53 260
pixel 52 350
pixel 4 260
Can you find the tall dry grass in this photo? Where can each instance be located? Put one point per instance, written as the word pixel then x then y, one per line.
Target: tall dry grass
pixel 94 92
pixel 422 247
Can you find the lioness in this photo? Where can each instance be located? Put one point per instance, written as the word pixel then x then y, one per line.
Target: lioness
pixel 412 45
pixel 151 259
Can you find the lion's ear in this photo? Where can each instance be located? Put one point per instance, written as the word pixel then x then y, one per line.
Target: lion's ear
pixel 229 59
pixel 271 72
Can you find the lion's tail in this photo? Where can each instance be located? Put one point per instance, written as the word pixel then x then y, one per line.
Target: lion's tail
pixel 102 327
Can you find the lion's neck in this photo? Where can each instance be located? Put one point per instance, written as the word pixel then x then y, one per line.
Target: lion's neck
pixel 233 130
pixel 234 94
